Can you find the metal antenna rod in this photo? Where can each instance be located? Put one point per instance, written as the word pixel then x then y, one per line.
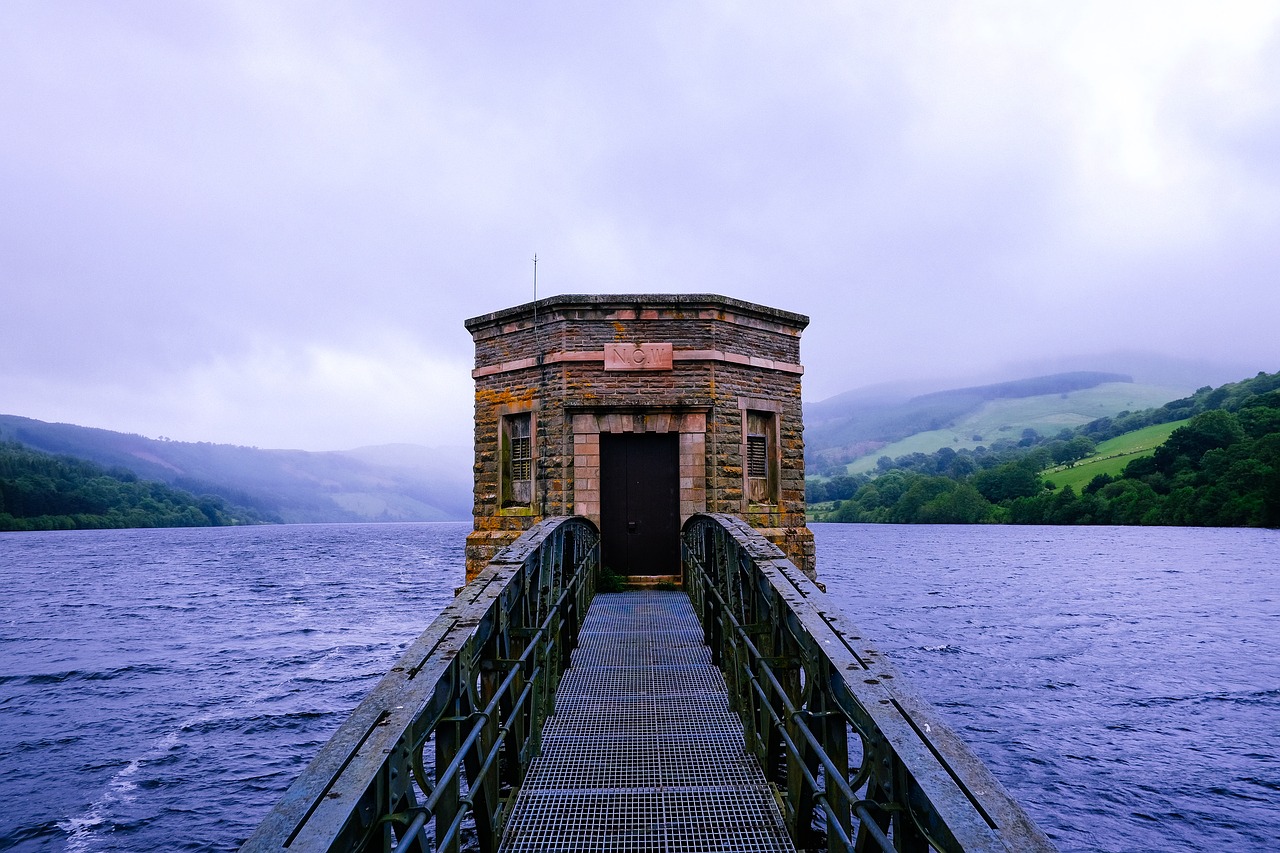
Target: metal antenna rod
pixel 535 296
pixel 542 378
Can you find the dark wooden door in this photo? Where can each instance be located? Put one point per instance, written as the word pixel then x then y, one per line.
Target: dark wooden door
pixel 640 503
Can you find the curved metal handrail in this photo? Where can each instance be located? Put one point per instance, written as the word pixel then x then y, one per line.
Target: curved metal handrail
pixel 451 729
pixel 856 758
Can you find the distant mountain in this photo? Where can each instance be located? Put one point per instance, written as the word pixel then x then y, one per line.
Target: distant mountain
pixel 389 483
pixel 1145 368
pixel 1063 391
pixel 860 422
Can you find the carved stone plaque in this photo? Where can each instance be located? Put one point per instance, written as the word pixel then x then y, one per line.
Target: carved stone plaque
pixel 637 357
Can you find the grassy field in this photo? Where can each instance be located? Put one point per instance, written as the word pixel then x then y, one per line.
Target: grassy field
pixel 819 511
pixel 1112 455
pixel 1110 458
pixel 1046 414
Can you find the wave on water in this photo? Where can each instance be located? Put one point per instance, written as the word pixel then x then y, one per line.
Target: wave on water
pixel 119 794
pixel 1128 709
pixel 80 675
pixel 1266 698
pixel 213 664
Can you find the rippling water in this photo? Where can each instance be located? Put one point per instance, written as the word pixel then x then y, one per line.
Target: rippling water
pixel 1124 683
pixel 161 688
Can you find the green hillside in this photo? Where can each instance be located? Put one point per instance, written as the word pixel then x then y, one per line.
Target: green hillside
pixel 859 423
pixel 1047 414
pixel 1112 456
pixel 1211 458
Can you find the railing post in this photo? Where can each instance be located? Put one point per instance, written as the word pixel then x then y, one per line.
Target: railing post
pixel 484 788
pixel 712 556
pixel 448 739
pixel 511 770
pixel 833 731
pixel 802 763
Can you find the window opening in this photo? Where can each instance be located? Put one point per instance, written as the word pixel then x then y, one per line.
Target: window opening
pixel 518 460
pixel 760 451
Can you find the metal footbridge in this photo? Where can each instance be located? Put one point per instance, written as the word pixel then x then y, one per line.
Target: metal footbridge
pixel 742 713
pixel 643 751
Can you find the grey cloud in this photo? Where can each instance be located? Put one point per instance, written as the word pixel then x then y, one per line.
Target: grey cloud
pixel 191 189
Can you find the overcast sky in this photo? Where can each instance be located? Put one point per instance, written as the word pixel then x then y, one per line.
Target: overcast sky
pixel 264 223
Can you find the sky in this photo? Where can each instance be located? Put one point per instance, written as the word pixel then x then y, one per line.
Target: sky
pixel 265 223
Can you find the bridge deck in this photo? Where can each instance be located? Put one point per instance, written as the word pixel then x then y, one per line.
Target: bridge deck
pixel 643 752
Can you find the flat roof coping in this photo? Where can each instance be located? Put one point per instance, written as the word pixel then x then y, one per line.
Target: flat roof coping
pixel 646 300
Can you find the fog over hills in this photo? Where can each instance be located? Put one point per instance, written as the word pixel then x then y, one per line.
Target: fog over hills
pixel 854 425
pixel 410 482
pixel 1047 395
pixel 1146 368
pixel 385 483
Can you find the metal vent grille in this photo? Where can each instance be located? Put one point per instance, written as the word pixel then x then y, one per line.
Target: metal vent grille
pixel 521 458
pixel 757 456
pixel 643 752
pixel 519 445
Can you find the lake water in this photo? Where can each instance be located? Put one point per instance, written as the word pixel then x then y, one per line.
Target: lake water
pixel 161 688
pixel 1123 682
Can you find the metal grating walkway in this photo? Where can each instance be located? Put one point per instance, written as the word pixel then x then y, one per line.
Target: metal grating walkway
pixel 643 752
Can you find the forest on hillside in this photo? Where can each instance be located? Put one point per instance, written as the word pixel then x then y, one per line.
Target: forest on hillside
pixel 40 491
pixel 385 483
pixel 1221 468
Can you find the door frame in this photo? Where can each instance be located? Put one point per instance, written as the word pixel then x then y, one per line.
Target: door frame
pixel 691 425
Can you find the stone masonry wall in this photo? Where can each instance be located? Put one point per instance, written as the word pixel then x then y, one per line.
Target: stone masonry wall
pixel 572 398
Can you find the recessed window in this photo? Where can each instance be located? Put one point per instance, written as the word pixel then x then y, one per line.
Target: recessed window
pixel 517 459
pixel 759 462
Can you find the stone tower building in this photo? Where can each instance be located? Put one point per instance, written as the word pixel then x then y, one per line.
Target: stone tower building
pixel 637 412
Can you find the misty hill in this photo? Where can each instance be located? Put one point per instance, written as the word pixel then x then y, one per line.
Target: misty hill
pixel 900 418
pixel 1146 368
pixel 388 483
pixel 861 422
pixel 1048 415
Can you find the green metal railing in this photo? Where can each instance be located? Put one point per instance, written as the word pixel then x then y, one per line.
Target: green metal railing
pixel 445 737
pixel 859 763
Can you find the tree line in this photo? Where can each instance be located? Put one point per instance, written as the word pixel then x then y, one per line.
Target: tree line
pixel 1222 468
pixel 40 491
